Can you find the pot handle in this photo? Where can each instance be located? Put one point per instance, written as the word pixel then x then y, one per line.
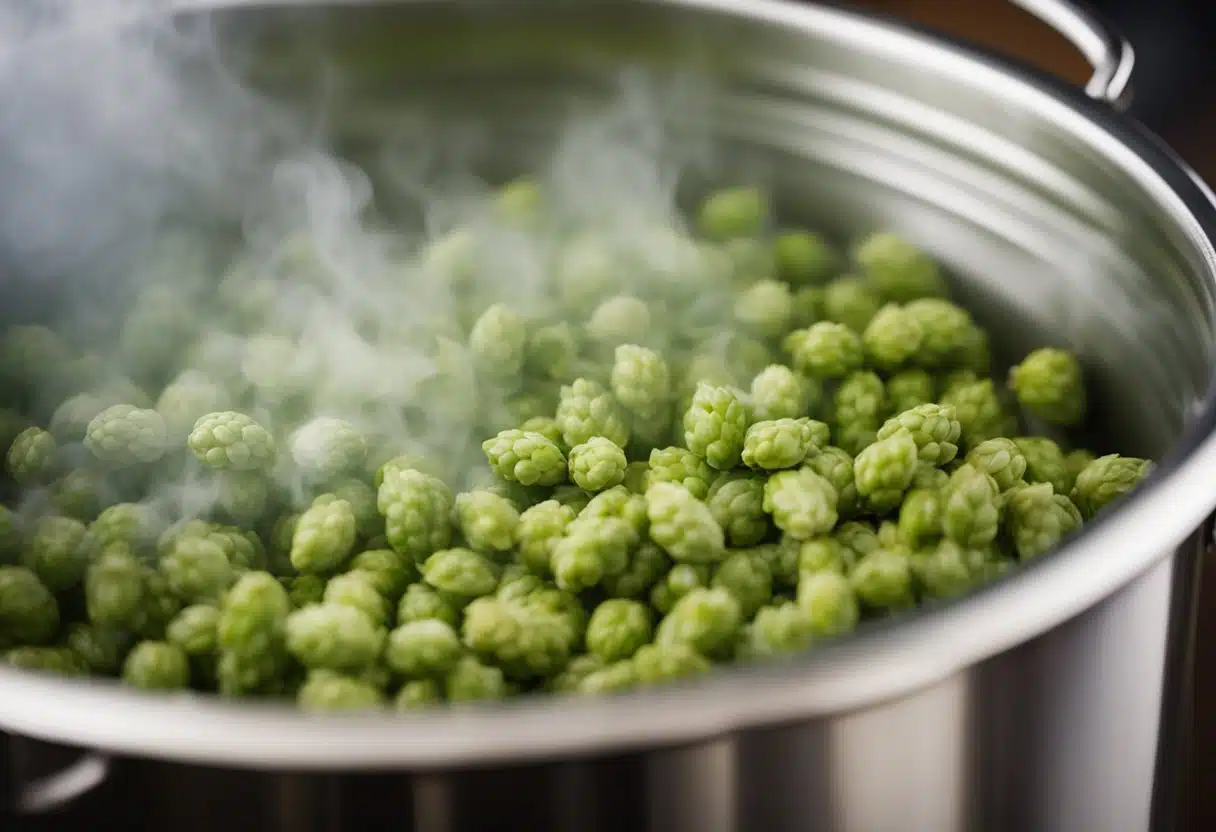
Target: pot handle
pixel 21 795
pixel 1108 52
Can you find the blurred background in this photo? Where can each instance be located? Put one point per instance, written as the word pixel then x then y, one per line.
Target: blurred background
pixel 1175 95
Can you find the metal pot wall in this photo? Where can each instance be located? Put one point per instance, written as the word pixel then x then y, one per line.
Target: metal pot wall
pixel 1051 700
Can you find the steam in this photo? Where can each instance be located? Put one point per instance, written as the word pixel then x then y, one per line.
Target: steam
pixel 195 242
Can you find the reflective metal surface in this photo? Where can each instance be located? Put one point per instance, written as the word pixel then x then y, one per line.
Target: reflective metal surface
pixel 1034 704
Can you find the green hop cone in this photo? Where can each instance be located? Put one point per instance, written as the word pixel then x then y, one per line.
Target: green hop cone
pixel 778 630
pixel 358 590
pixel 884 471
pixel 736 501
pixel 1049 384
pixel 461 573
pixel 946 333
pixel 231 441
pixel 498 343
pixel 980 412
pixel 619 320
pixel 883 580
pixel 852 301
pixel 804 257
pixel 825 350
pixel 933 428
pixel 780 393
pixel 733 212
pixel 537 533
pixel 597 464
pixel 333 637
pixel 421 602
pixel 124 435
pixel 525 639
pixel 1045 462
pixel 1038 519
pixel 29 614
pixel 764 309
pixel 197 569
pixel 783 443
pixel 429 647
pixel 836 466
pixel 715 425
pixel 156 665
pixel 326 691
pixel 706 620
pixel 1074 463
pixel 647 563
pixel 1105 480
pixel 900 270
pixel 748 578
pixel 909 389
pixel 417 511
pixel 195 630
pixel 892 338
pixel 487 521
pixel 31 457
pixel 656 664
pixel 971 508
pixel 59 551
pixel 324 536
pixel 641 380
pixel 326 448
pixel 920 516
pixel 526 458
pixel 683 526
pixel 681 467
pixel 801 502
pixel 944 571
pixel 1001 459
pixel 617 628
pixel 389 572
pixel 585 409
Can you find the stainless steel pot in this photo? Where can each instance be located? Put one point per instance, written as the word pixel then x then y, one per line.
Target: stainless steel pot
pixel 1052 700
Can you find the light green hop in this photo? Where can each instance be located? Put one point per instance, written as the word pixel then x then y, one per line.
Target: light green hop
pixel 161 605
pixel 1075 462
pixel 487 521
pixel 586 270
pixel 421 602
pixel 1038 519
pixel 1105 480
pixel 900 270
pixel 498 342
pixel 417 511
pixel 525 639
pixel 860 400
pixel 647 563
pixel 551 351
pixel 572 676
pixel 883 580
pixel 228 440
pixel 779 393
pixel 195 630
pixel 116 593
pixel 362 499
pixel 733 212
pixel 1001 459
pixel 429 647
pixel 417 694
pixel 546 426
pixel 1045 462
pixel 884 470
pixel 857 539
pixel 681 467
pixel 61 661
pixel 404 462
pixel 944 571
pixel 617 628
pixel 851 301
pixel 10 537
pixel 80 494
pixel 683 526
pixel 526 458
pixel 97 651
pixel 807 303
pixel 706 620
pixel 715 426
pixel 334 637
pixel 197 569
pixel 920 516
pixel 889 536
pixel 946 334
pixel 836 466
pixel 592 548
pixel 618 503
pixel 538 531
pixel 804 257
pixel 822 554
pixel 641 380
pixel 975 353
pixel 802 503
pixel 29 613
pixel 597 464
pixel 748 578
pixel 1049 383
pixel 259 673
pixel 325 448
pixel 680 580
pixel 613 678
pixel 243 547
pixel 980 411
pixel 778 630
pixel 327 691
pixel 908 389
pixel 324 536
pixel 623 319
pixel 253 616
pixel 658 664
pixel 778 444
pixel 521 202
pixel 748 259
pixel 358 591
pixel 71 418
pixel 892 338
pixel 155 665
pixel 305 590
pixel 58 551
pixel 585 409
pixel 933 427
pixel 185 400
pixel 930 477
pixel 971 508
pixel 134 524
pixel 31 457
pixel 462 573
pixel 736 501
pixel 764 309
pixel 825 350
pixel 389 572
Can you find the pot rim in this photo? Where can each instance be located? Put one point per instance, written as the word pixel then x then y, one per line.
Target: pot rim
pixel 882 661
